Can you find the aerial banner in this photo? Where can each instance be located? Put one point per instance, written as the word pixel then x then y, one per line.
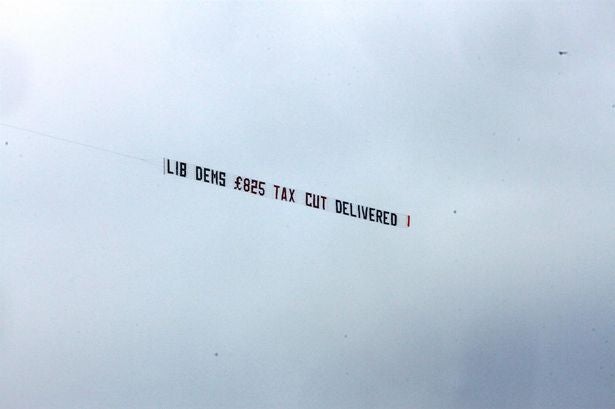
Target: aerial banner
pixel 260 188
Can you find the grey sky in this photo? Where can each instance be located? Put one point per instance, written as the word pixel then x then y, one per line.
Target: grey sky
pixel 124 288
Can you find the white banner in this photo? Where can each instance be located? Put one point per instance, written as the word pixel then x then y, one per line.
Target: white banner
pixel 256 187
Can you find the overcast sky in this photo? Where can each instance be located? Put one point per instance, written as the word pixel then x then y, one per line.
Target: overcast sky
pixel 121 287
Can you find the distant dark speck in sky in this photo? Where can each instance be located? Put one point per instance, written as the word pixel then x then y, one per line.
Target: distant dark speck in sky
pixel 216 354
pixel 6 143
pixel 455 211
pixel 563 52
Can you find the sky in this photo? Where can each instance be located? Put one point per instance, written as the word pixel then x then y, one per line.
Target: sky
pixel 122 287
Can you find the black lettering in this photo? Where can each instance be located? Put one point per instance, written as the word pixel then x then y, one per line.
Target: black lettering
pixel 393 219
pixel 222 179
pixel 351 212
pixel 379 216
pixel 371 214
pixel 385 215
pixel 198 172
pixel 315 201
pixel 338 206
pixel 309 199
